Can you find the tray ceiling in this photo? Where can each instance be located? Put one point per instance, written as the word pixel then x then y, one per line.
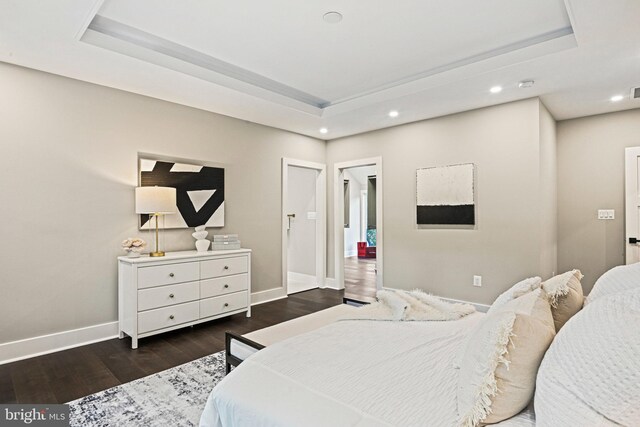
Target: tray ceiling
pixel 279 63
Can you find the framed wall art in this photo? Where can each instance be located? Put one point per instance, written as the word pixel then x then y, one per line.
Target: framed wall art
pixel 199 192
pixel 445 196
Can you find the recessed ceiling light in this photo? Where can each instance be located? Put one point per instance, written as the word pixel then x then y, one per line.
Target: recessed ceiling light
pixel 393 113
pixel 526 84
pixel 324 130
pixel 617 98
pixel 332 17
pixel 496 89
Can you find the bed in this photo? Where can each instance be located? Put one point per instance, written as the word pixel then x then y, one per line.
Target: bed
pixel 350 373
pixel 405 373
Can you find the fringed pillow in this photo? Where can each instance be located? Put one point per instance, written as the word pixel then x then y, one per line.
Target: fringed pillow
pixel 501 358
pixel 565 296
pixel 522 287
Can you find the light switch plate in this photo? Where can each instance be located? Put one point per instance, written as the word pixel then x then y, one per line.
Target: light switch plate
pixel 477 281
pixel 606 214
pixel 312 215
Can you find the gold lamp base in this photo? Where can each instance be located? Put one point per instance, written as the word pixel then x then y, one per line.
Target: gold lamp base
pixel 154 254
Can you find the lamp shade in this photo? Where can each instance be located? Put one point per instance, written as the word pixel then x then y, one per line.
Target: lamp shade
pixel 155 200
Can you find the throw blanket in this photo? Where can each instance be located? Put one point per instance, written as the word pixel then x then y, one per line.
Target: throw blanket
pixel 407 306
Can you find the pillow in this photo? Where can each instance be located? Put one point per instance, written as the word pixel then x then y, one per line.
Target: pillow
pixel 517 290
pixel 565 296
pixel 618 279
pixel 501 358
pixel 591 374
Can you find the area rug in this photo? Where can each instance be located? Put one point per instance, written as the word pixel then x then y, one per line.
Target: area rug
pixel 175 397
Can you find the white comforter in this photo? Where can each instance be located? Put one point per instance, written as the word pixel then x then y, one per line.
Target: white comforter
pixel 349 373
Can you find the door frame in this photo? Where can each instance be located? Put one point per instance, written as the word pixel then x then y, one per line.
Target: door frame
pixel 631 192
pixel 338 213
pixel 321 219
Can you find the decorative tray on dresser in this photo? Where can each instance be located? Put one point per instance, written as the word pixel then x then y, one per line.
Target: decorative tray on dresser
pixel 159 294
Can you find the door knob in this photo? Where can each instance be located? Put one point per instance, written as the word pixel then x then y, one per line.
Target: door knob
pixel 170 295
pixel 226 267
pixel 171 317
pixel 226 286
pixel 226 304
pixel 171 274
pixel 289 218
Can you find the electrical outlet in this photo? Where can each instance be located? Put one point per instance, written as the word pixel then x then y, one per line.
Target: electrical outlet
pixel 606 214
pixel 477 281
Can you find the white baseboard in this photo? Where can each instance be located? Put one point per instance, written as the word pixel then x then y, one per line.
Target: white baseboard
pixel 330 283
pixel 482 308
pixel 37 346
pixel 348 254
pixel 45 344
pixel 269 295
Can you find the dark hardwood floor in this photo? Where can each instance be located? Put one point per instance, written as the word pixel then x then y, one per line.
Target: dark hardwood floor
pixel 70 374
pixel 360 278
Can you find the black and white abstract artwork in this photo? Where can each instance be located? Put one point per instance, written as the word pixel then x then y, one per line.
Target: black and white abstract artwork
pixel 199 192
pixel 445 196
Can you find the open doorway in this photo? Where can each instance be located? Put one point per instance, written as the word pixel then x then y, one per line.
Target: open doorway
pixel 358 227
pixel 360 231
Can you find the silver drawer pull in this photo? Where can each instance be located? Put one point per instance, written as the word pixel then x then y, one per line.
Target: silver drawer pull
pixel 171 274
pixel 226 304
pixel 171 317
pixel 171 295
pixel 226 267
pixel 226 286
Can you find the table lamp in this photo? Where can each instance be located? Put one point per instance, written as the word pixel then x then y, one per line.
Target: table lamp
pixel 156 201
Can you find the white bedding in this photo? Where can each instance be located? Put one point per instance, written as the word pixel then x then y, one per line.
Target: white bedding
pixel 349 373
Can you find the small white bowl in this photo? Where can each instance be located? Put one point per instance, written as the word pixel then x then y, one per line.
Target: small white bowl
pixel 198 235
pixel 200 228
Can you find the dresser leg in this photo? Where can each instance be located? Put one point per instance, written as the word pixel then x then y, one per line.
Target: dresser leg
pixel 134 343
pixel 249 312
pixel 121 335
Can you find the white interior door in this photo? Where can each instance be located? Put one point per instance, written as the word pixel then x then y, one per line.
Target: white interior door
pixel 303 225
pixel 632 204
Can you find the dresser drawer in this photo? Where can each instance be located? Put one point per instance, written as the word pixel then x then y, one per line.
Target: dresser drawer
pixel 223 267
pixel 223 285
pixel 167 317
pixel 162 296
pixel 169 274
pixel 218 305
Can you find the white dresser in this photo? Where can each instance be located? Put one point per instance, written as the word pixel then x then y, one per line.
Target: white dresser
pixel 160 294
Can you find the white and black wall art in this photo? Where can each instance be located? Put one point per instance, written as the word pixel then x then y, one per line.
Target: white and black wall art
pixel 199 192
pixel 445 196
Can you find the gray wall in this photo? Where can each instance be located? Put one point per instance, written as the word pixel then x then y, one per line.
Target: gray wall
pixel 69 165
pixel 591 177
pixel 548 195
pixel 352 233
pixel 505 144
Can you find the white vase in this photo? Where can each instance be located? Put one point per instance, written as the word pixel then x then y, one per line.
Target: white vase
pixel 200 227
pixel 133 254
pixel 199 235
pixel 202 245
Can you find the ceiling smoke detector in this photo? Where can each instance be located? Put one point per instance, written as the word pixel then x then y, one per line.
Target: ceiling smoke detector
pixel 526 84
pixel 332 17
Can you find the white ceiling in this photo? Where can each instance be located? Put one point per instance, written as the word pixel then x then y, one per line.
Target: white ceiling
pixel 278 63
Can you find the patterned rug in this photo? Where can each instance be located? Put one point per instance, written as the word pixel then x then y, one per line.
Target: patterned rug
pixel 175 397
